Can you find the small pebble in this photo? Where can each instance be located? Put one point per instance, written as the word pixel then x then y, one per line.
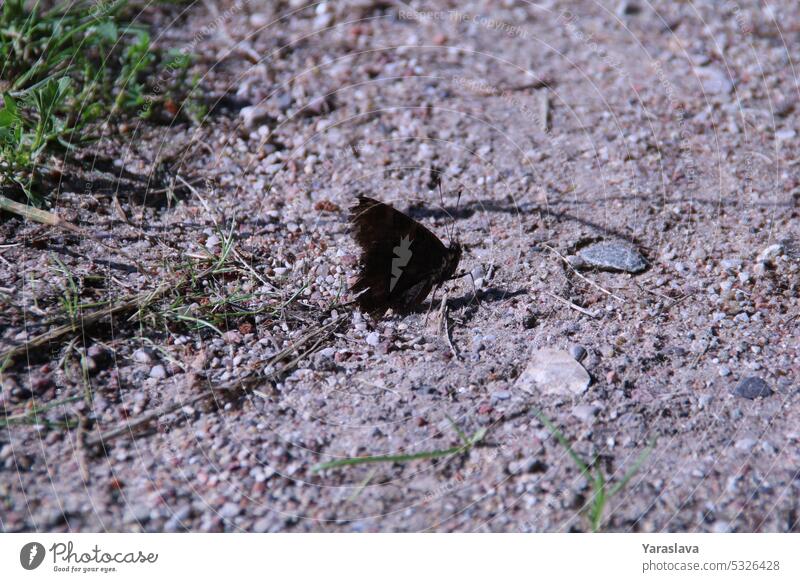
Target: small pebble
pixel 143 356
pixel 498 395
pixel 554 371
pixel 628 8
pixel 769 254
pixel 137 514
pixel 255 116
pixel 585 413
pixel 745 444
pixel 212 242
pixel 577 352
pixel 753 387
pixel 713 81
pixel 731 264
pixel 721 527
pixel 230 510
pixel 158 372
pixel 478 276
pixel 258 20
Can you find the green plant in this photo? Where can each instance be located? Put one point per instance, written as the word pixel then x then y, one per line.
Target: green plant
pixel 23 138
pixel 34 415
pixel 466 444
pixel 39 46
pixel 601 492
pixel 63 70
pixel 70 298
pixel 131 91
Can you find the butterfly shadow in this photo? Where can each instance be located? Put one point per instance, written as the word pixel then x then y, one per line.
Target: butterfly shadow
pixel 468 304
pixel 521 209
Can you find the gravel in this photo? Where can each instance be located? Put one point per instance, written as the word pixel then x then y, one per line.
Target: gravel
pixel 691 341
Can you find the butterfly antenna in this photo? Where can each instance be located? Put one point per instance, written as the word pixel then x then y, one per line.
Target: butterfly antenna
pixel 458 203
pixel 441 204
pixel 451 229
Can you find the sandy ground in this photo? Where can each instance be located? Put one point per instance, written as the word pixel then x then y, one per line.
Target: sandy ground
pixel 672 127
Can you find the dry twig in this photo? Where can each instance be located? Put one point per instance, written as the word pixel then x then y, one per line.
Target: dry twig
pixel 136 304
pixel 572 305
pixel 51 219
pixel 574 270
pixel 243 385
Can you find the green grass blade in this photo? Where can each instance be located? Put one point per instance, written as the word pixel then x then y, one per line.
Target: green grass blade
pixel 585 469
pixel 634 469
pixel 475 439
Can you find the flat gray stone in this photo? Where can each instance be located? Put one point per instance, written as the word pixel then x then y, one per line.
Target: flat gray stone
pixel 752 388
pixel 554 372
pixel 613 256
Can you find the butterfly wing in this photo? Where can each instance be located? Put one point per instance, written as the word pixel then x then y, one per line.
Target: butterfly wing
pixel 401 260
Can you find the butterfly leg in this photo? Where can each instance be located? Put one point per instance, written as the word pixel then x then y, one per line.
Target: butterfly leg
pixel 433 301
pixel 474 289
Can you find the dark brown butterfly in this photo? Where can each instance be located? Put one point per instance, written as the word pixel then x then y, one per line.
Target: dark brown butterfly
pixel 401 260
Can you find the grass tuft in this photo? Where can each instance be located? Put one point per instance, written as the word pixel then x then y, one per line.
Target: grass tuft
pixel 602 490
pixel 63 71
